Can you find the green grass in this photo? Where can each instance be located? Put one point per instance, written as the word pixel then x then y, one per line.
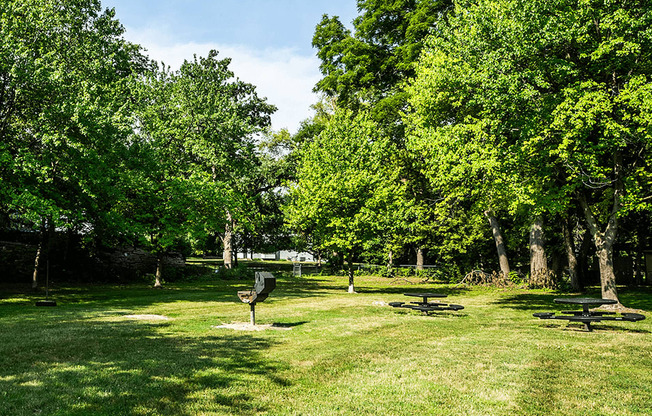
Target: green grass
pixel 346 354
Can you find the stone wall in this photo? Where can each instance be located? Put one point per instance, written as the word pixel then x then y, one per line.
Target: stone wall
pixel 126 264
pixel 133 263
pixel 16 260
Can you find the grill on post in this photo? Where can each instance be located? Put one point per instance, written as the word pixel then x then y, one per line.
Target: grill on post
pixel 264 284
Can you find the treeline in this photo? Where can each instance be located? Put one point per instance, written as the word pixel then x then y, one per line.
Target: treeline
pixel 507 135
pixel 471 135
pixel 100 142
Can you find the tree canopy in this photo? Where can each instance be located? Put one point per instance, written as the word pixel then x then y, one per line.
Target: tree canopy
pixel 370 64
pixel 440 125
pixel 541 98
pixel 346 188
pixel 97 139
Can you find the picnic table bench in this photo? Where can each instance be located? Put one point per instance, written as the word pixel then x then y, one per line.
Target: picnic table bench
pixel 586 316
pixel 265 282
pixel 426 306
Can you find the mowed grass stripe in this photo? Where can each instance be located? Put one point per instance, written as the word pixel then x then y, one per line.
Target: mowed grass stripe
pixel 345 353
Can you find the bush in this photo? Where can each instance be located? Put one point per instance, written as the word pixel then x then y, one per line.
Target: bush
pixel 516 278
pixel 373 270
pixel 544 279
pixel 482 278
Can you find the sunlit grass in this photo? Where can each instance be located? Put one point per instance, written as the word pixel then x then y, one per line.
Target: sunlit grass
pixel 345 354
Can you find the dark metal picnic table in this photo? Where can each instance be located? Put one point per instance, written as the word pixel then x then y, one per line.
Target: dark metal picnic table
pixel 425 306
pixel 425 296
pixel 586 303
pixel 586 316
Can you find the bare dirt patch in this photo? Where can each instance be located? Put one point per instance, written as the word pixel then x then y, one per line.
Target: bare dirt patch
pixel 242 326
pixel 148 317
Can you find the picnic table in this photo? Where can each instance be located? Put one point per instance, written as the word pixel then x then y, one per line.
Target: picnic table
pixel 587 316
pixel 426 306
pixel 425 296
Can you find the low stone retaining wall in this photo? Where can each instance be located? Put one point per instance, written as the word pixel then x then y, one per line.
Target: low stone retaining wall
pixel 125 264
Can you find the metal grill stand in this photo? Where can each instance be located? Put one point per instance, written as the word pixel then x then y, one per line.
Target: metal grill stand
pixel 265 283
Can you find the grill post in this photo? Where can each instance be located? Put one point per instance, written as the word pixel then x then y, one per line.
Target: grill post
pixel 264 284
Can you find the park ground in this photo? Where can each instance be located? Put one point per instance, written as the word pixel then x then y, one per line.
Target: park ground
pixel 107 350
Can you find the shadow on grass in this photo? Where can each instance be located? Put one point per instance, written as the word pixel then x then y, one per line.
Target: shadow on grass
pixel 225 291
pixel 401 290
pixel 530 302
pixel 637 298
pixel 598 327
pixel 130 296
pixel 130 368
pixel 288 324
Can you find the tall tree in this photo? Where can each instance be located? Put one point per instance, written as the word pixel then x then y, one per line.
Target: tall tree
pixel 202 122
pixel 222 116
pixel 66 73
pixel 560 92
pixel 367 67
pixel 160 188
pixel 370 64
pixel 346 187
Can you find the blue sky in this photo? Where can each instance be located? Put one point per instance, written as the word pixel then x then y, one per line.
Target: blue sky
pixel 269 41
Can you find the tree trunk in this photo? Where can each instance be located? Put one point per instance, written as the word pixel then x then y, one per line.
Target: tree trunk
pixel 244 248
pixel 350 267
pixel 234 246
pixel 583 259
pixel 227 241
pixel 639 268
pixel 159 270
pixel 500 242
pixel 540 274
pixel 603 241
pixel 556 264
pixel 607 275
pixel 420 258
pixel 390 263
pixel 570 254
pixel 37 262
pixel 39 254
pixel 538 261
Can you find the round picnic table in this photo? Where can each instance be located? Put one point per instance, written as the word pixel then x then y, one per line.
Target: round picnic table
pixel 425 296
pixel 586 303
pixel 586 316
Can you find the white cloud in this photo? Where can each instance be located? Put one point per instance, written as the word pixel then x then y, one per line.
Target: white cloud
pixel 283 76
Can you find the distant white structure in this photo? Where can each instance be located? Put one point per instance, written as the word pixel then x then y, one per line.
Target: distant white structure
pixel 295 256
pixel 280 255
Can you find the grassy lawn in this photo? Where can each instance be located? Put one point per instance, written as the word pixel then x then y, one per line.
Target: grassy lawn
pixel 343 354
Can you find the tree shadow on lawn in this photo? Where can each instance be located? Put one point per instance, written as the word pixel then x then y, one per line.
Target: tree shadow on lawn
pixel 596 327
pixel 534 302
pixel 136 294
pixel 130 296
pixel 638 298
pixel 401 290
pixel 129 368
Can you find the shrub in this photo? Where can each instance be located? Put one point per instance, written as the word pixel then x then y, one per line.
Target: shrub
pixel 544 279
